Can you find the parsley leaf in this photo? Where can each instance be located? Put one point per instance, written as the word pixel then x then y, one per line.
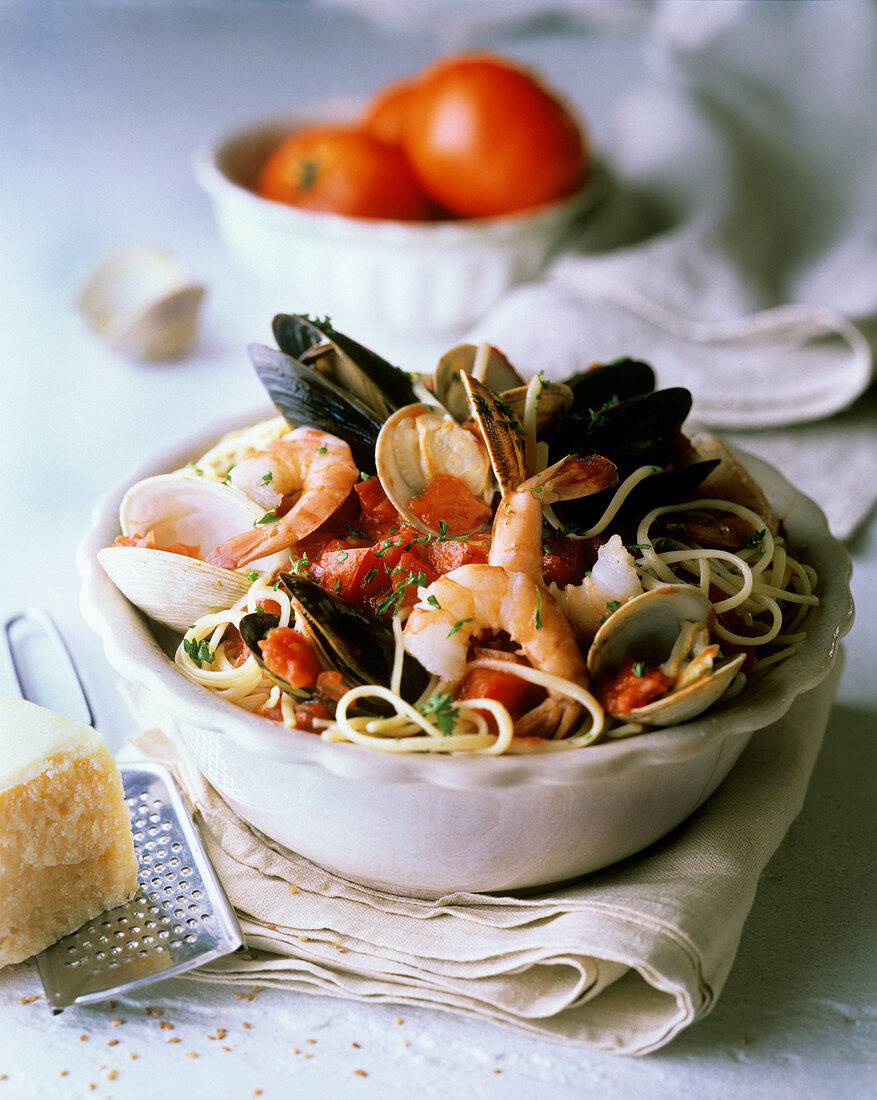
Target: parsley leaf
pixel 439 706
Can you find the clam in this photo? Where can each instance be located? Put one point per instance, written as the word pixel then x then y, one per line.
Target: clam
pixel 419 442
pixel 483 362
pixel 665 627
pixel 552 400
pixel 356 645
pixel 142 303
pixel 200 513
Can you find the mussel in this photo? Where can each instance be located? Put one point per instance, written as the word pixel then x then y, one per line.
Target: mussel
pixel 351 366
pixel 608 383
pixel 667 626
pixel 361 648
pixel 307 398
pixel 638 431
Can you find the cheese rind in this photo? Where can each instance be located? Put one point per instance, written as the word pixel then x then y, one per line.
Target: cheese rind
pixel 66 849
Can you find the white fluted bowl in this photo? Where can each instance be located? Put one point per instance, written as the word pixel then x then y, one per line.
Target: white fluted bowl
pixel 403 277
pixel 430 825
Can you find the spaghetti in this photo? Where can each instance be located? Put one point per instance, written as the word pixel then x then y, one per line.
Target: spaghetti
pixel 758 596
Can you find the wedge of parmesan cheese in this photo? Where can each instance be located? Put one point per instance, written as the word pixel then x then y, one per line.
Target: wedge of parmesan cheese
pixel 66 849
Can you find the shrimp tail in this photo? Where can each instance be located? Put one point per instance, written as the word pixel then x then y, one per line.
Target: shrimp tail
pixel 245 547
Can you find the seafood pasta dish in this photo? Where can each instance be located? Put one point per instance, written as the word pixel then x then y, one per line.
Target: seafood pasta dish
pixel 464 562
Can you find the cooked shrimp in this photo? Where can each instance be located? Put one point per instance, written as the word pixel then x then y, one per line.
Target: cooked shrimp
pixel 614 579
pixel 486 599
pixel 517 527
pixel 313 464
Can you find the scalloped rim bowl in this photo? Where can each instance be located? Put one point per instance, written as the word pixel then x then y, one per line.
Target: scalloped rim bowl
pixel 413 277
pixel 431 825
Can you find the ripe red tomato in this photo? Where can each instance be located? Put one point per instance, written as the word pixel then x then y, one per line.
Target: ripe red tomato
pixel 343 170
pixel 486 138
pixel 385 115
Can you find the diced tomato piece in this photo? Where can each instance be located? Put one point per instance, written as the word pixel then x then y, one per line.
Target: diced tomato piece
pixel 516 695
pixel 273 712
pixel 234 648
pixel 368 576
pixel 288 654
pixel 377 513
pixel 448 554
pixel 565 560
pixel 339 569
pixel 307 712
pixel 147 542
pixel 627 690
pixel 447 500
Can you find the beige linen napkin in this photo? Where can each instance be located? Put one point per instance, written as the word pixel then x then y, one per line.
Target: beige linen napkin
pixel 621 961
pixel 736 249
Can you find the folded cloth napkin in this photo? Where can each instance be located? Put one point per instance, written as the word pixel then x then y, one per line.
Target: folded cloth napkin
pixel 736 249
pixel 621 961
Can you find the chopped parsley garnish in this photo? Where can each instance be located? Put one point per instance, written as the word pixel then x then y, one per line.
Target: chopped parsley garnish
pixel 751 542
pixel 322 450
pixel 267 478
pixel 639 668
pixel 363 476
pixel 199 652
pixel 269 517
pixel 252 575
pixel 458 625
pixel 433 602
pixel 538 609
pixel 439 706
pixel 370 575
pixel 663 545
pixel 299 567
pixel 613 605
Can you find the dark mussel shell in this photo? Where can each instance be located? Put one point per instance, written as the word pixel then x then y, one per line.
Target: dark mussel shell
pixel 641 431
pixel 297 336
pixel 253 628
pixel 609 383
pixel 667 487
pixel 361 648
pixel 305 397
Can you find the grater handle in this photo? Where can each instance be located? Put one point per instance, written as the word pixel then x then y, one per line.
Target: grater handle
pixel 36 618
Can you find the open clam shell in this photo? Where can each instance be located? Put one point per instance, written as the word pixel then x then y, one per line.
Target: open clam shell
pixel 171 588
pixel 487 364
pixel 646 629
pixel 419 442
pixel 143 304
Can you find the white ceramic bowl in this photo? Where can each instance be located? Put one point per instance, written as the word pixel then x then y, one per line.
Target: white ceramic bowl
pixel 406 277
pixel 432 825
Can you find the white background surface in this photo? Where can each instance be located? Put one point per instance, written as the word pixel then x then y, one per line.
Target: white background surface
pixel 101 107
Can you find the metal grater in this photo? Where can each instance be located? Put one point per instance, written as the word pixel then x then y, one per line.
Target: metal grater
pixel 180 917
